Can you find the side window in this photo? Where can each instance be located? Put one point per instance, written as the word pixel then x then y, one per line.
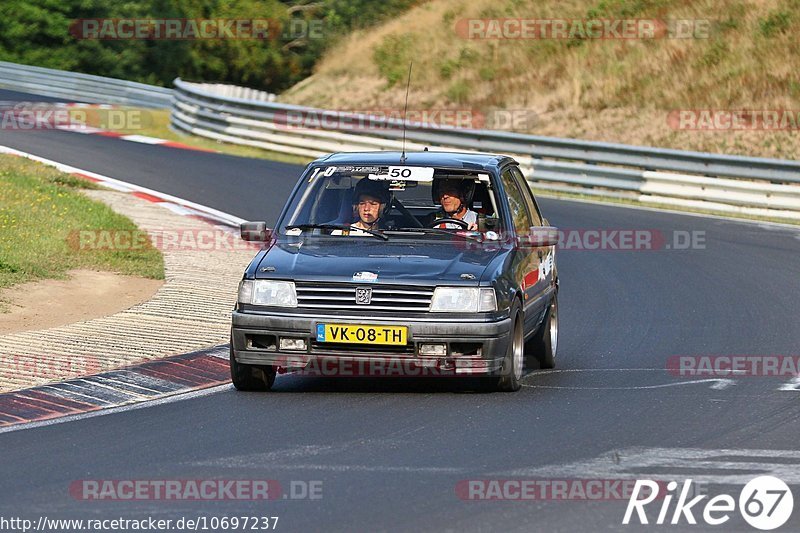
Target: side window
pixel 529 199
pixel 516 204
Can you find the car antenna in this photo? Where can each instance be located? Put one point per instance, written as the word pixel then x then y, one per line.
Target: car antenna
pixel 405 109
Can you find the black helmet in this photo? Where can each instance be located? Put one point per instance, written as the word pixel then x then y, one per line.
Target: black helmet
pixel 374 188
pixel 466 187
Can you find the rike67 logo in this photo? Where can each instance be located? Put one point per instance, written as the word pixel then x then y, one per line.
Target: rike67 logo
pixel 765 503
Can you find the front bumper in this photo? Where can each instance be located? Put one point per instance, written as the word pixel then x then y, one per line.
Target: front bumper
pixel 473 347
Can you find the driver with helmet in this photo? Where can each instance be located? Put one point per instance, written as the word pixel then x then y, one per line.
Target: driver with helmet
pixel 455 196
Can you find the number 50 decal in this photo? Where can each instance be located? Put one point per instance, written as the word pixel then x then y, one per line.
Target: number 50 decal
pixel 406 173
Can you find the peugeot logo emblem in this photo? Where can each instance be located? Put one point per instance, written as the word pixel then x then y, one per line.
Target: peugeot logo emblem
pixel 363 295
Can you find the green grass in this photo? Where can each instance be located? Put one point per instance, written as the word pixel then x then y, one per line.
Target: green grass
pixel 776 22
pixel 393 56
pixel 40 209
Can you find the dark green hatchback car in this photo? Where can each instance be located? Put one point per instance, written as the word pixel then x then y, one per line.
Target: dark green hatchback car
pixel 389 264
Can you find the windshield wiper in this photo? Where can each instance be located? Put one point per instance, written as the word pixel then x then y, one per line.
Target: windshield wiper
pixel 342 227
pixel 438 231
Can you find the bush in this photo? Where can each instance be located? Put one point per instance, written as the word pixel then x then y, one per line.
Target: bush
pixel 393 56
pixel 777 22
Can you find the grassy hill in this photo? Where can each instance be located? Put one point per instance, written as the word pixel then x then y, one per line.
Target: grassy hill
pixel 612 89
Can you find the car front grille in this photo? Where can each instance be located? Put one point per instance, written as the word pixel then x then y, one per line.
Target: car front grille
pixel 342 296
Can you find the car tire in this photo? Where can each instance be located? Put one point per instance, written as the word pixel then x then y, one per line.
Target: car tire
pixel 544 345
pixel 510 379
pixel 251 377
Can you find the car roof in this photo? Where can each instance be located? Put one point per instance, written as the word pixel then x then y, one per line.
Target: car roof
pixel 475 161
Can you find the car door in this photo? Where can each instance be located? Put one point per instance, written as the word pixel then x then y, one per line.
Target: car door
pixel 525 264
pixel 546 255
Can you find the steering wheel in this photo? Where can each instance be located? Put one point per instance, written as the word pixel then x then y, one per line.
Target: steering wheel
pixel 456 221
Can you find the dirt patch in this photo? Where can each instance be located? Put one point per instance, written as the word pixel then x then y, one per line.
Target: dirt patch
pixel 87 294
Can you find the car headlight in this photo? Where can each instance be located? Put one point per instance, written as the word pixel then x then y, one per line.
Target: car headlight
pixel 463 300
pixel 268 292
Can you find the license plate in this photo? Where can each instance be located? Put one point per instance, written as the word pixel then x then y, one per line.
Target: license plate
pixel 358 334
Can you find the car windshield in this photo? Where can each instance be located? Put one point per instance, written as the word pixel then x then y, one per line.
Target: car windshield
pixel 353 201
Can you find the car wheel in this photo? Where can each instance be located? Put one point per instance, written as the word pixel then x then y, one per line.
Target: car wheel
pixel 511 372
pixel 251 377
pixel 544 344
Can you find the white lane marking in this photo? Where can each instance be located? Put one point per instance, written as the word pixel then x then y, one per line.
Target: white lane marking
pixel 82 104
pixel 729 466
pixel 117 186
pixel 542 372
pixel 79 128
pixel 169 397
pixel 719 384
pixel 792 385
pixel 221 216
pixel 143 139
pixel 723 384
pixel 178 209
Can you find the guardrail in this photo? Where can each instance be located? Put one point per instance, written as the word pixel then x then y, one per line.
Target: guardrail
pixel 733 184
pixel 77 87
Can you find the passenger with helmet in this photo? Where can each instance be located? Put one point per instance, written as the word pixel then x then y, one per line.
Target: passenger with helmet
pixel 370 200
pixel 455 195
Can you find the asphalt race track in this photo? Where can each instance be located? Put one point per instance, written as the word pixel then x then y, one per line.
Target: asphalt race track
pixel 390 453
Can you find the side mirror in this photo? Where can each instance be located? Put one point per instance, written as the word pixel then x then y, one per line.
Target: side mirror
pixel 255 232
pixel 543 236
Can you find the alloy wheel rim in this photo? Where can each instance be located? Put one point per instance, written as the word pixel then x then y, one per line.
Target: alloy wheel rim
pixel 518 350
pixel 554 329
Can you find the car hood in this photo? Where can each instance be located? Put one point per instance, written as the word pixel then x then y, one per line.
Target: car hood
pixel 457 261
